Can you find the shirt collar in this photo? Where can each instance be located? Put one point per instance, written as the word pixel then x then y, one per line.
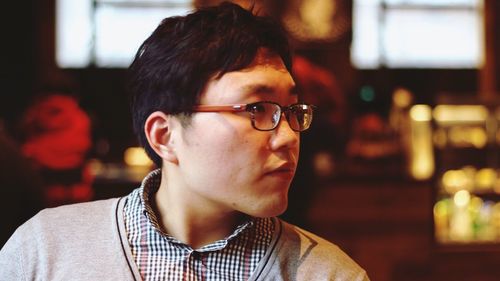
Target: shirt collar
pixel 150 186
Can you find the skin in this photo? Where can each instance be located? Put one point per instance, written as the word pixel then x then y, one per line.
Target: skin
pixel 219 168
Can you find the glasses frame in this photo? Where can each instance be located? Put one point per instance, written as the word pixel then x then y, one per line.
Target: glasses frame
pixel 248 108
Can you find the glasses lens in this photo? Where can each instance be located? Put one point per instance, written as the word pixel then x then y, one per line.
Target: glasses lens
pixel 300 117
pixel 265 115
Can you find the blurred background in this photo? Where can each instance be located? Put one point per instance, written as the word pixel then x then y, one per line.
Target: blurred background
pixel 400 167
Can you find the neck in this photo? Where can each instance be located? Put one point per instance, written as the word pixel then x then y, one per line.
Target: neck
pixel 187 216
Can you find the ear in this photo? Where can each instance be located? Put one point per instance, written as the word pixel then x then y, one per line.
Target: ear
pixel 158 131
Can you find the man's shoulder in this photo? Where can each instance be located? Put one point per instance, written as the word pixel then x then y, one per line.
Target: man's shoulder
pixel 80 239
pixel 314 255
pixel 297 236
pixel 63 227
pixel 72 218
pixel 82 210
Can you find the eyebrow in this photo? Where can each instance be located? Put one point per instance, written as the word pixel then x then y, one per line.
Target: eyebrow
pixel 266 89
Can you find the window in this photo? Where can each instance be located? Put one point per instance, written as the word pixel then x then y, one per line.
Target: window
pixel 417 34
pixel 107 33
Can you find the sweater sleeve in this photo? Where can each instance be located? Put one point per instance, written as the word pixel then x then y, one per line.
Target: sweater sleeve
pixel 12 262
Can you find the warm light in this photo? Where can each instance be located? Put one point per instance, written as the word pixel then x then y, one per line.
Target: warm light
pixel 478 137
pixel 461 198
pixel 496 184
pixel 96 167
pixel 314 20
pixel 485 178
pixel 402 97
pixel 454 180
pixel 441 209
pixel 466 136
pixel 136 156
pixel 440 138
pixel 460 113
pixel 495 217
pixel 318 16
pixel 442 214
pixel 421 112
pixel 324 164
pixel 476 204
pixel 422 168
pixel 421 155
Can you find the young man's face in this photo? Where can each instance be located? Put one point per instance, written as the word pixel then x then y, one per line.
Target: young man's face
pixel 226 164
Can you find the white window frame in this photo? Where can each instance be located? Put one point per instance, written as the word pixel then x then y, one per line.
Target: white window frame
pixel 385 34
pixel 107 33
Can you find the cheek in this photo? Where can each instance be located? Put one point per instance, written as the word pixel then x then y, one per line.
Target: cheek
pixel 241 155
pixel 226 150
pixel 241 161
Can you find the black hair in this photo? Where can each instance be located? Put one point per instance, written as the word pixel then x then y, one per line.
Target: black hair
pixel 171 68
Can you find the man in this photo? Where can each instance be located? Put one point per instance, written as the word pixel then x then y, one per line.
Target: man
pixel 216 108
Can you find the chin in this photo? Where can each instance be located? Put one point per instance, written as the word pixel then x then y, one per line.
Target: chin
pixel 271 209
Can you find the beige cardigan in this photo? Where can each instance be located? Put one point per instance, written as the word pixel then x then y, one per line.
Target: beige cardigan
pixel 87 241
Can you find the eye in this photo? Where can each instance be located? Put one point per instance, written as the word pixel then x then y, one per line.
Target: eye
pixel 297 109
pixel 258 108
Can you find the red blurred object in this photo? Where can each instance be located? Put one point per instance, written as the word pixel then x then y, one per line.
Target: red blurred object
pixel 57 140
pixel 322 89
pixel 58 133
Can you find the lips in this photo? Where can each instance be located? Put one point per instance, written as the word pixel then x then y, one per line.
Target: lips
pixel 286 169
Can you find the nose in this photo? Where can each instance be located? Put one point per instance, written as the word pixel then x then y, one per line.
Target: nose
pixel 283 136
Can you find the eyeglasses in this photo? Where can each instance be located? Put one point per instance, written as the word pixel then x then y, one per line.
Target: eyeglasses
pixel 266 115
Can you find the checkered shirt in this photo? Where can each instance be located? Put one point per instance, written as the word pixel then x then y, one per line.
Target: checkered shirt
pixel 160 256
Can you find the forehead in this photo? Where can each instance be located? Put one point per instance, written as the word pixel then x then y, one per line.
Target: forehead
pixel 265 76
pixel 265 58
